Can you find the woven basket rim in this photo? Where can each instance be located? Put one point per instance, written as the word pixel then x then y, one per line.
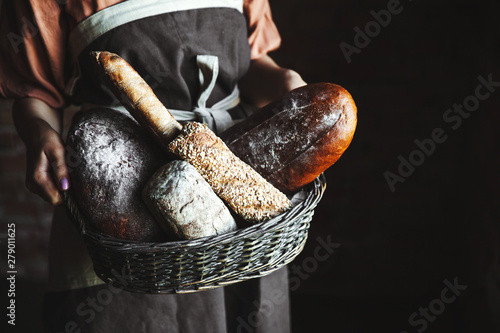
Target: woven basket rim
pixel 314 190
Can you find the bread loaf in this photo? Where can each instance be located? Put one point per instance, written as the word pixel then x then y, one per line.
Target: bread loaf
pixel 184 204
pixel 293 140
pixel 243 189
pixel 111 159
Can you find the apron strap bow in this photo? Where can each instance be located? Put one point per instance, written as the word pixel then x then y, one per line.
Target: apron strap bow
pixel 216 117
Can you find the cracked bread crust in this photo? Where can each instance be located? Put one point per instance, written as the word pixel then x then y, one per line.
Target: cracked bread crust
pixel 184 204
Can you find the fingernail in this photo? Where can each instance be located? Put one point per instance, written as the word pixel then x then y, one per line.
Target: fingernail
pixel 64 184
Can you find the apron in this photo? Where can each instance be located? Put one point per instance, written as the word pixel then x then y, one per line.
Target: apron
pixel 192 53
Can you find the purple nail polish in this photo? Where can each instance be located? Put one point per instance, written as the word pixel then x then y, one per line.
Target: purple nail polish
pixel 64 184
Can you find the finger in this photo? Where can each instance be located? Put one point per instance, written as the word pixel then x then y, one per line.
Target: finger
pixel 293 80
pixel 57 162
pixel 40 181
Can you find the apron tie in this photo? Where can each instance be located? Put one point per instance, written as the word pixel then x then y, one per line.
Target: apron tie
pixel 216 117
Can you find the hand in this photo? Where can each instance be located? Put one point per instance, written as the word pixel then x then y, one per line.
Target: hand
pixel 292 80
pixel 266 81
pixel 46 171
pixel 38 125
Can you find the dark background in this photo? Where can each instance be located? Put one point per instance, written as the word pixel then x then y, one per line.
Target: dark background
pixel 396 248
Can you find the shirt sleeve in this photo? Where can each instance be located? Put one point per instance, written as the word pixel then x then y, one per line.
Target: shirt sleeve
pixel 32 44
pixel 263 34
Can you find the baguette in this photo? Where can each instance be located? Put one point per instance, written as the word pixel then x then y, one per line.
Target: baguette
pixel 245 191
pixel 137 96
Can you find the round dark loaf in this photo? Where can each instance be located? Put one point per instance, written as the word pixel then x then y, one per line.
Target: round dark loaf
pixel 111 158
pixel 185 204
pixel 293 140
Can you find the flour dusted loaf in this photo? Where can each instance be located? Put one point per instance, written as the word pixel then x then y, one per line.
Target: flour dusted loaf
pixel 185 204
pixel 111 159
pixel 293 140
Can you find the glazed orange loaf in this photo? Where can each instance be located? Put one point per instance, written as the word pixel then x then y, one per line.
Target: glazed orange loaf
pixel 293 140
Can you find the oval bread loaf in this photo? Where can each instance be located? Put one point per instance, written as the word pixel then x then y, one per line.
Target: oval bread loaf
pixel 184 203
pixel 110 159
pixel 293 140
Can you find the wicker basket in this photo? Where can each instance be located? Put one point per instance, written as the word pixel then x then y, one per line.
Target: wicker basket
pixel 204 263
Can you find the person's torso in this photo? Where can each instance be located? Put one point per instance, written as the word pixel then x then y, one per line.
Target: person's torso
pixel 161 40
pixel 165 49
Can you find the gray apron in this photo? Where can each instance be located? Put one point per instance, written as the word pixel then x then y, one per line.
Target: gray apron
pixel 192 54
